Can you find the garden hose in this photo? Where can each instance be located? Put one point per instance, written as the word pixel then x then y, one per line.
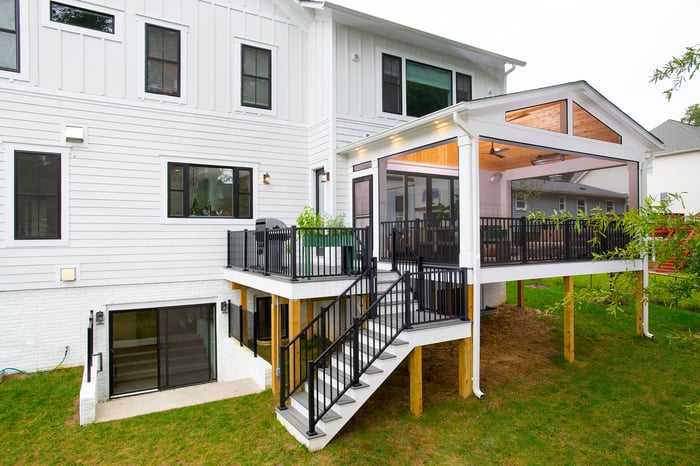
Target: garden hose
pixel 2 372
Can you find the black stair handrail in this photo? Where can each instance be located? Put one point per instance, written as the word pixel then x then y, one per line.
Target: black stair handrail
pixel 318 334
pixel 363 343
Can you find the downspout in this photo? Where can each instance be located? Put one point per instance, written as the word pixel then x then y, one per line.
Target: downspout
pixel 474 195
pixel 645 271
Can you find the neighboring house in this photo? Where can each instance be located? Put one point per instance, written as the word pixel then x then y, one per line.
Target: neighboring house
pixel 674 170
pixel 146 146
pixel 546 195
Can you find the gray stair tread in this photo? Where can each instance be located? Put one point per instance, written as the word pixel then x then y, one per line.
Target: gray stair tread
pixel 374 335
pixel 303 399
pixel 344 377
pixel 343 400
pixel 299 422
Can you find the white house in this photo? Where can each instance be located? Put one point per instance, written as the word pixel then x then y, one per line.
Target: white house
pixel 672 170
pixel 141 142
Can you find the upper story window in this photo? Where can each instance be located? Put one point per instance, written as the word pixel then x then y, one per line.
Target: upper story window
pixel 9 35
pixel 209 191
pixel 256 77
pixel 37 195
pixel 464 87
pixel 162 60
pixel 81 17
pixel 424 89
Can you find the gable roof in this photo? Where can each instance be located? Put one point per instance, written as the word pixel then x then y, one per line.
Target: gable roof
pixel 382 27
pixel 565 187
pixel 678 137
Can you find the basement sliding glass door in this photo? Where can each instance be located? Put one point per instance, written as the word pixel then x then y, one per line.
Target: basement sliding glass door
pixel 161 348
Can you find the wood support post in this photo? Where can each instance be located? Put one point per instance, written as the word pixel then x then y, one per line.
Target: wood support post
pixel 466 355
pixel 294 329
pixel 415 369
pixel 569 318
pixel 521 293
pixel 639 300
pixel 275 340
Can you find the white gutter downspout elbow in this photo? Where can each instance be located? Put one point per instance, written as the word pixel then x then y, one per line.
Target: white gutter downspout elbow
pixel 645 273
pixel 476 322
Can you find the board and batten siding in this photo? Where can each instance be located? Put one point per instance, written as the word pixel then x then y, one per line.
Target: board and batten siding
pixel 73 59
pixel 358 67
pixel 118 230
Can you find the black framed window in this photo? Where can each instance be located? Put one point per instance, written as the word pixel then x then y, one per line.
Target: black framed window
pixel 463 83
pixel 392 82
pixel 81 17
pixel 9 35
pixel 162 60
pixel 37 195
pixel 209 191
pixel 256 77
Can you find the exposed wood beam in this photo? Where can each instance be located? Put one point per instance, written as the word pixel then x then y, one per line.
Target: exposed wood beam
pixel 521 293
pixel 294 329
pixel 466 352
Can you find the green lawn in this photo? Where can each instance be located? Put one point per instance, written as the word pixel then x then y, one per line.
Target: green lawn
pixel 622 402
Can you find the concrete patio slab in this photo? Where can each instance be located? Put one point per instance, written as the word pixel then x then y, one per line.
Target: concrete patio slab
pixel 131 406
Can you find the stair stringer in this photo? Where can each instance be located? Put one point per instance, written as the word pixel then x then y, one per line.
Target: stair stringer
pixel 418 336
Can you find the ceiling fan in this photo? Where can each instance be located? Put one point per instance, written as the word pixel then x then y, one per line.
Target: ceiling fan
pixel 496 152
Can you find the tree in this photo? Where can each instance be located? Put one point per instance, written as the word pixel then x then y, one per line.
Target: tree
pixel 692 115
pixel 678 69
pixel 656 232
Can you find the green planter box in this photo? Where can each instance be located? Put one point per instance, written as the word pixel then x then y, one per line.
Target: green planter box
pixel 326 241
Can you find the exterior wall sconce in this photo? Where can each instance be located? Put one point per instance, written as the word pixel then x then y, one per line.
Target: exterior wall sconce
pixel 267 179
pixel 224 307
pixel 325 177
pixel 75 134
pixel 99 317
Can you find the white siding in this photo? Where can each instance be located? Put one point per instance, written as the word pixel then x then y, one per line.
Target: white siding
pixel 118 230
pixel 84 61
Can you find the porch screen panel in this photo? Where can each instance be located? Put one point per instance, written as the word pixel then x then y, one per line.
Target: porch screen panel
pixel 362 202
pixel 416 198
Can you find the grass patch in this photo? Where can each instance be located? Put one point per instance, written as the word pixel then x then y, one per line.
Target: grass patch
pixel 625 400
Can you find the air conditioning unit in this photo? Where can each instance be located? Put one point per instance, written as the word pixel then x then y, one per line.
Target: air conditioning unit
pixel 664 196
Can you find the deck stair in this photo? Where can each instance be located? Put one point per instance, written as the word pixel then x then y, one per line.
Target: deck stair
pixel 410 310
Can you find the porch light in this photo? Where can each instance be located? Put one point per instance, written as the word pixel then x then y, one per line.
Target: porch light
pixel 545 159
pixel 325 177
pixel 75 134
pixel 224 307
pixel 267 179
pixel 100 317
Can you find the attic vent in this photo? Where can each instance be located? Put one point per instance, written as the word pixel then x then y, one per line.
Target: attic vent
pixel 664 196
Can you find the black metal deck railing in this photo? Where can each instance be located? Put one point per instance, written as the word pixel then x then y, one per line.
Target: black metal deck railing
pixel 502 241
pixel 298 253
pixel 523 240
pixel 330 375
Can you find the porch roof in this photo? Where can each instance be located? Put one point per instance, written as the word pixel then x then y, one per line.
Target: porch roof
pixel 487 119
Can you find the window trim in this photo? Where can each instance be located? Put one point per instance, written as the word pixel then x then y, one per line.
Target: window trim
pixel 16 32
pixel 237 83
pixel 118 14
pixel 141 21
pixel 269 79
pixel 185 194
pixel 85 10
pixel 147 58
pixel 10 148
pixel 454 70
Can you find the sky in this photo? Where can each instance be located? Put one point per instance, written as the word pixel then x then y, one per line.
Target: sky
pixel 614 45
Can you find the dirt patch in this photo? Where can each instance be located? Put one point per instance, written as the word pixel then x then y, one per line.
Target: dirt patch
pixel 516 344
